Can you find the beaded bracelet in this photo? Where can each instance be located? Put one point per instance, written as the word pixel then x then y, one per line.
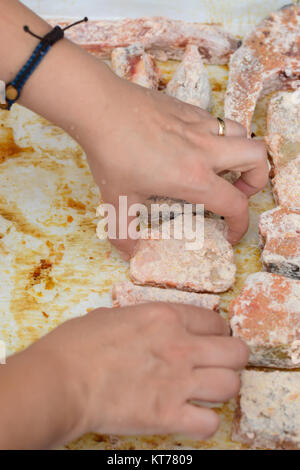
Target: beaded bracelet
pixel 14 88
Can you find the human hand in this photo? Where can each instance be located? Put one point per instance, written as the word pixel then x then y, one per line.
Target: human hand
pixel 150 144
pixel 134 370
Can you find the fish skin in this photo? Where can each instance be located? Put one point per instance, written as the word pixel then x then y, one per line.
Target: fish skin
pixel 283 143
pixel 266 315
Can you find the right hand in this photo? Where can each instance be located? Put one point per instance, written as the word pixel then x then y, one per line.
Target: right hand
pixel 135 369
pixel 147 143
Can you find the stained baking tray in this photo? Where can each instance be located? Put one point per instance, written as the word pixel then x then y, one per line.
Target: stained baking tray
pixel 52 265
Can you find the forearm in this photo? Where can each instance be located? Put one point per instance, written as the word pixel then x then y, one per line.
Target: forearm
pixel 37 401
pixel 67 82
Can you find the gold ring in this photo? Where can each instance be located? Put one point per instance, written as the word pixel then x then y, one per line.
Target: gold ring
pixel 222 126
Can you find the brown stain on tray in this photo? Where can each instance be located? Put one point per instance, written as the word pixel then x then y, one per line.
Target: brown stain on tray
pixel 8 147
pixel 12 213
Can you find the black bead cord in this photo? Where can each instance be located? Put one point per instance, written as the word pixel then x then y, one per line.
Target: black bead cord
pixel 14 88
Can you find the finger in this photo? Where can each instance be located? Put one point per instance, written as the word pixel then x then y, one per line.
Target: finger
pixel 244 155
pixel 195 422
pixel 235 154
pixel 201 321
pixel 213 385
pixel 222 198
pixel 245 188
pixel 233 206
pixel 232 129
pixel 202 121
pixel 218 351
pixel 209 126
pixel 252 181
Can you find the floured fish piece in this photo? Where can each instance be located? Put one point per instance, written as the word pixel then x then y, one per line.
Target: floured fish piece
pixel 268 411
pixel 285 172
pixel 126 293
pixel 268 60
pixel 168 262
pixel 283 143
pixel 266 315
pixel 283 115
pixel 164 38
pixel 279 230
pixel 136 65
pixel 190 82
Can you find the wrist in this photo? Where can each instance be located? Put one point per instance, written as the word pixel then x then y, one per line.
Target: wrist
pixel 68 88
pixel 62 392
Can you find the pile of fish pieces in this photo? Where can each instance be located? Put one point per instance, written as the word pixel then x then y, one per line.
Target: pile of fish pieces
pixel 163 38
pixel 266 314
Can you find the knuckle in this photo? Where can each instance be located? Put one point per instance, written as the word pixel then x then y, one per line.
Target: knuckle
pixel 189 133
pixel 179 353
pixel 195 116
pixel 166 318
pixel 161 310
pixel 238 128
pixel 167 313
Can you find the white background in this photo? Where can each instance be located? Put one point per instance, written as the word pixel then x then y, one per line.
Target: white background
pixel 236 15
